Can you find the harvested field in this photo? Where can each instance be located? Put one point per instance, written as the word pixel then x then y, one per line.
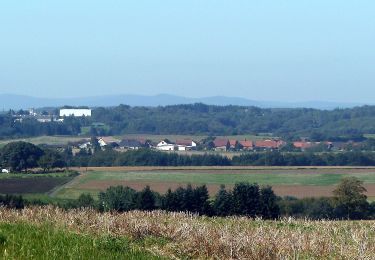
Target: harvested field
pixel 31 185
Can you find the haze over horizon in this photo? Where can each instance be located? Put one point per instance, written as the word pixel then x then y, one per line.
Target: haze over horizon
pixel 286 51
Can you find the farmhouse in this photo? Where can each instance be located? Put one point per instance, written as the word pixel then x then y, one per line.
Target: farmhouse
pixel 164 146
pixel 76 112
pixel 185 144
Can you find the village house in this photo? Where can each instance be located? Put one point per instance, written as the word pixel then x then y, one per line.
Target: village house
pixel 303 145
pixel 164 146
pixel 108 141
pixel 221 144
pixel 185 144
pixel 232 143
pixel 130 144
pixel 85 145
pixel 246 145
pixel 269 144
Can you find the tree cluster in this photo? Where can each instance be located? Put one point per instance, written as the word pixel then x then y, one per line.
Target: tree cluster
pixel 244 200
pixel 21 156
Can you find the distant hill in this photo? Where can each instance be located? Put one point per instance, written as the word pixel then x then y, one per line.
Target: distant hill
pixel 11 101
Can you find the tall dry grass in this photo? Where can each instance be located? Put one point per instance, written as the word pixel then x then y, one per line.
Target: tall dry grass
pixel 216 238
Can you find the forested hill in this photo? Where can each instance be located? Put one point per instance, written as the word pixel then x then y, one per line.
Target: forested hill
pixel 228 120
pixel 203 119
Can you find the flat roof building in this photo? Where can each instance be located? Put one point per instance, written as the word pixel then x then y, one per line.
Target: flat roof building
pixel 75 112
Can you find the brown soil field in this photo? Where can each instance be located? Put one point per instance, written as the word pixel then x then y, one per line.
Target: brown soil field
pixel 299 191
pixel 30 185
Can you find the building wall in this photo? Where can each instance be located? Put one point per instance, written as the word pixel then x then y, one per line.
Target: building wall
pixel 165 148
pixel 75 112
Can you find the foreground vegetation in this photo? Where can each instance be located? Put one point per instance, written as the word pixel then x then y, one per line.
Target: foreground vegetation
pixel 179 235
pixel 21 240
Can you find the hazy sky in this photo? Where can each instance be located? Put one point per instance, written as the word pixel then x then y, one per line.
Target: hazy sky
pixel 287 50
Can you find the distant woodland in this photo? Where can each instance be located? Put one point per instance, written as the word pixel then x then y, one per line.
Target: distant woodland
pixel 200 119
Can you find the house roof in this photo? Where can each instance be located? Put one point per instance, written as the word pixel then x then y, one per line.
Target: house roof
pixel 232 142
pixel 109 139
pixel 304 145
pixel 246 143
pixel 269 143
pixel 130 143
pixel 184 142
pixel 220 142
pixel 164 143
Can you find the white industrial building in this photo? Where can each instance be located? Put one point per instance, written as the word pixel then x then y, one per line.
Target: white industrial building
pixel 75 112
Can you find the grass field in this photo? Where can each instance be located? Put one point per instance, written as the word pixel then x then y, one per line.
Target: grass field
pixel 52 233
pixel 297 182
pixel 26 241
pixel 52 140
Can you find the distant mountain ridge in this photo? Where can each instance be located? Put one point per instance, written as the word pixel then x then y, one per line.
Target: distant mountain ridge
pixel 12 101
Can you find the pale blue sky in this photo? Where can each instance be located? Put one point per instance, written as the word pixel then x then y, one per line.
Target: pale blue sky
pixel 287 50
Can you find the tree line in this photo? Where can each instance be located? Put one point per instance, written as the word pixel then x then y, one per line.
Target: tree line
pixel 147 157
pixel 21 156
pixel 201 119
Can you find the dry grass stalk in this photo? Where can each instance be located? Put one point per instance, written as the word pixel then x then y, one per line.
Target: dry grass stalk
pixel 217 238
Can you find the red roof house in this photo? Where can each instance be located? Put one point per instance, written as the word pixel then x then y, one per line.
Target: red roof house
pixel 269 144
pixel 221 144
pixel 247 145
pixel 232 143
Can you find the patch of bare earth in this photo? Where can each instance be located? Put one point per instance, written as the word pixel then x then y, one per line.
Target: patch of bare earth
pixel 299 191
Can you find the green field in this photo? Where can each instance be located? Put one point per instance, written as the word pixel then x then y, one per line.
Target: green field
pixel 280 178
pixel 51 140
pixel 94 181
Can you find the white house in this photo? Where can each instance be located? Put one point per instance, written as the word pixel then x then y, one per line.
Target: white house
pixel 164 146
pixel 185 144
pixel 85 145
pixel 77 112
pixel 102 142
